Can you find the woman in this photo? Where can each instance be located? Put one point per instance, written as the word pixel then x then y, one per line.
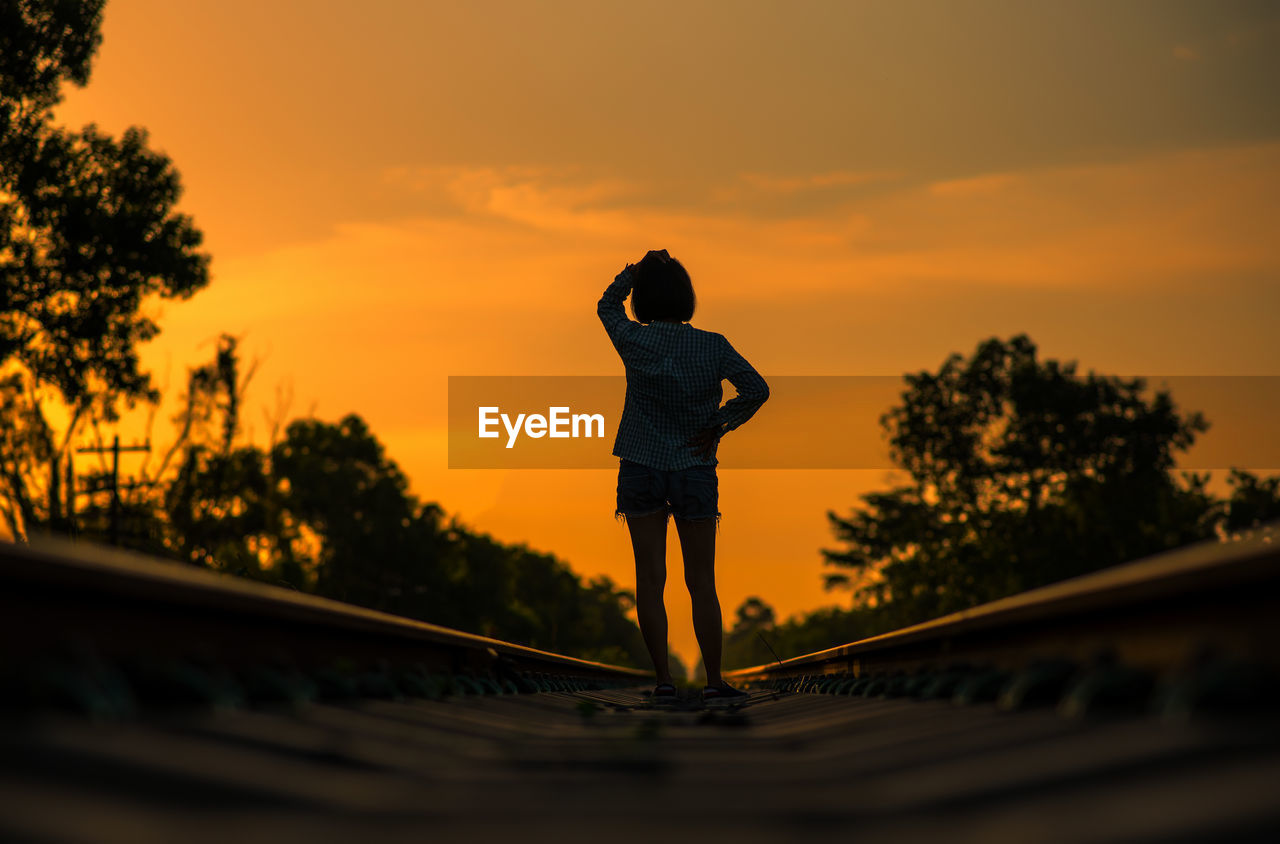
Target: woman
pixel 671 424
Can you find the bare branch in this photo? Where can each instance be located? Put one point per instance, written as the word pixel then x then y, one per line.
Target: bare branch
pixel 284 400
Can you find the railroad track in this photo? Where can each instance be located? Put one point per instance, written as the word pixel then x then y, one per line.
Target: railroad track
pixel 332 723
pixel 95 630
pixel 99 630
pixel 1196 628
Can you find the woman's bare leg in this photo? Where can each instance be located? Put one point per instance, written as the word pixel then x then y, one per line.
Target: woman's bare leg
pixel 698 544
pixel 649 542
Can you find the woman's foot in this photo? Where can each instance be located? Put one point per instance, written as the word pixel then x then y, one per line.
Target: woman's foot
pixel 723 695
pixel 663 693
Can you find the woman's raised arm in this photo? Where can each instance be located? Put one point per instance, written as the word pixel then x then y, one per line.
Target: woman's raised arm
pixel 611 311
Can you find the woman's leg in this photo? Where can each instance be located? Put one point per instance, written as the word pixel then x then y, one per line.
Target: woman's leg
pixel 698 544
pixel 649 542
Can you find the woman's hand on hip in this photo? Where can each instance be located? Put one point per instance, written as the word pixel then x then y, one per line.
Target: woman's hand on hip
pixel 704 442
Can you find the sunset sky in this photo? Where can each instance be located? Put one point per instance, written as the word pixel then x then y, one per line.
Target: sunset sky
pixel 394 192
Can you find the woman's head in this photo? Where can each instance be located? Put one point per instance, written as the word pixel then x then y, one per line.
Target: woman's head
pixel 662 289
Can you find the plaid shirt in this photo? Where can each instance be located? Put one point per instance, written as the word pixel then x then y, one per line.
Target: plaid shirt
pixel 674 373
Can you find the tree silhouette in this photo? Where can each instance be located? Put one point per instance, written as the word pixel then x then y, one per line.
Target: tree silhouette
pixel 744 643
pixel 1021 474
pixel 1253 501
pixel 753 614
pixel 87 233
pixel 349 520
pixel 346 520
pixel 758 638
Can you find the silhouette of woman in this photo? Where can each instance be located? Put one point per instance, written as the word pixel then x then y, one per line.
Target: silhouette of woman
pixel 671 425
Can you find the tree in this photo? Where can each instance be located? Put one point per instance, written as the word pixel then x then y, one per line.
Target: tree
pixel 758 639
pixel 1252 502
pixel 42 44
pixel 512 592
pixel 748 641
pixel 325 510
pixel 347 519
pixel 88 232
pixel 1021 474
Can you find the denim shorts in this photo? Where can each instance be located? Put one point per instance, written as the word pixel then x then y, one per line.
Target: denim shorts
pixel 692 493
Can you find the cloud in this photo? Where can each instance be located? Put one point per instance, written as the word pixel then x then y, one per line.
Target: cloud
pixel 543 198
pixel 531 237
pixel 766 183
pixel 974 185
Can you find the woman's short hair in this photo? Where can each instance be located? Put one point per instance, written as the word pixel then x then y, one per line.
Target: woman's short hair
pixel 662 289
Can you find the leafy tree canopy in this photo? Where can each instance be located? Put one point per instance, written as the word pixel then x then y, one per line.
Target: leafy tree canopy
pixel 1020 473
pixel 88 232
pixel 42 44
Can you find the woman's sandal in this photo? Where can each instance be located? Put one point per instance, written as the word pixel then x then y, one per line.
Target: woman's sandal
pixel 723 696
pixel 664 693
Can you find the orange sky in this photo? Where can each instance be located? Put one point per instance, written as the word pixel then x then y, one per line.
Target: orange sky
pixel 396 192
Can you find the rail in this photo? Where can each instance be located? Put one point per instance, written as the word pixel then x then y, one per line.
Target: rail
pixel 1192 623
pixel 97 628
